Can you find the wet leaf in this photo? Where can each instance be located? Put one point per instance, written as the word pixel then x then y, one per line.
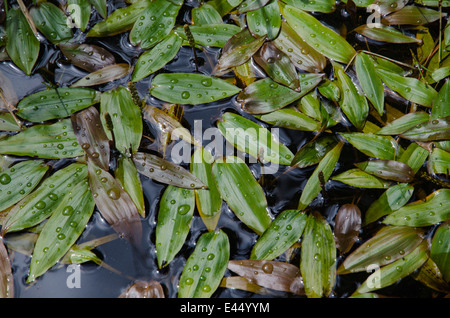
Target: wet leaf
pixel 439 162
pixel 395 271
pixel 51 22
pixel 215 35
pixel 114 204
pixel 190 88
pixel 327 41
pixel 205 14
pixel 165 171
pixel 41 203
pixel 414 156
pixel 243 194
pixel 250 5
pixel 265 95
pixel 440 250
pixel 128 177
pixel 432 210
pixel 282 233
pixel 100 6
pixel 209 202
pixel 104 75
pixel 313 152
pixel 347 225
pixel 6 277
pixel 8 122
pixel 175 213
pixel 387 169
pixel 224 6
pixel 89 57
pixel 325 168
pixel 373 145
pixel 238 282
pixel 126 119
pixel 384 33
pixel 205 267
pixel 270 274
pixel 386 246
pixel 318 257
pixel 439 108
pixel 292 118
pixel 436 129
pixel 402 124
pixel 156 58
pixel 412 15
pixel 80 13
pixel 22 45
pixel 265 21
pixel 91 136
pixel 392 199
pixel 19 180
pixel 360 179
pixel 56 103
pixel 62 229
pixel 325 6
pixel 144 289
pixel 154 23
pixel 277 66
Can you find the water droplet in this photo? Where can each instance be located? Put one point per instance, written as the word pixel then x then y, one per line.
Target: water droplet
pixel 114 194
pixel 61 236
pixel 5 179
pixel 189 281
pixel 210 257
pixel 67 210
pixel 206 288
pixel 183 209
pixel 185 95
pixel 267 268
pixel 40 205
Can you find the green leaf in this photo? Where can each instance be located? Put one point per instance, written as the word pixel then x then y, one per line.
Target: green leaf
pixel 402 124
pixel 49 141
pixel 62 229
pixel 282 233
pixel 209 202
pixel 318 257
pixel 265 21
pixel 224 6
pixel 215 35
pixel 100 6
pixel 392 199
pixel 385 33
pixel 292 118
pixel 19 180
pixel 8 122
pixel 104 75
pixel 154 23
pixel 80 12
pixel 360 179
pixel 386 246
pixel 205 267
pixel 41 203
pixel 128 177
pixel 22 45
pixel 414 156
pixel 325 6
pixel 156 58
pixel 369 81
pixel 324 168
pixel 436 129
pixel 89 57
pixel 387 169
pixel 125 117
pixel 265 95
pixel 439 162
pixel 175 213
pixel 327 41
pixel 432 210
pixel 190 88
pixel 372 145
pixel 205 14
pixel 313 152
pixel 412 15
pixel 242 192
pixel 56 103
pixel 51 22
pixel 7 284
pixel 440 250
pixel 250 5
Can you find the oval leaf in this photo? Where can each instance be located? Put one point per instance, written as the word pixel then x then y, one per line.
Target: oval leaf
pixel 360 179
pixel 265 21
pixel 89 57
pixel 388 169
pixel 290 117
pixel 372 145
pixel 52 22
pixel 104 75
pixel 347 225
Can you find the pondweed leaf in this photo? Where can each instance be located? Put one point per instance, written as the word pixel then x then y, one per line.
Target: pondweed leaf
pixel 6 276
pixel 387 169
pixel 214 35
pixel 19 180
pixel 325 6
pixel 375 146
pixel 206 266
pixel 175 213
pixel 249 137
pixel 41 203
pixel 89 57
pixel 104 75
pixel 432 130
pixel 283 232
pixel 22 45
pixel 224 6
pixel 62 229
pixel 265 21
pixel 100 6
pixel 190 88
pixel 360 179
pixel 432 210
pixel 325 40
pixel 250 5
pixel 127 174
pixel 243 194
pixel 347 225
pixel 414 156
pixel 386 246
pixel 154 23
pixel 208 201
pixel 165 171
pixel 8 122
pixel 80 13
pixel 392 199
pixel 412 15
pixel 385 33
pixel 56 103
pixel 51 22
pixel 318 257
pixel 311 105
pixel 440 250
pixel 126 119
pixel 439 108
pixel 313 152
pixel 439 162
pixel 402 124
pixel 205 14
pixel 292 118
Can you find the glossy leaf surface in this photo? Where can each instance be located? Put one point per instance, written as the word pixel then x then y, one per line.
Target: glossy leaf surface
pixel 440 250
pixel 51 21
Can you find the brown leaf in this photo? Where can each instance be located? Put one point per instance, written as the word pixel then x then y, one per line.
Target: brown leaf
pixel 347 227
pixel 144 289
pixel 6 278
pixel 88 57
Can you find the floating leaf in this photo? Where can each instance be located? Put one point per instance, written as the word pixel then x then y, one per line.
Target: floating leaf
pixel 290 117
pixel 432 210
pixel 265 95
pixel 282 233
pixel 327 41
pixel 384 33
pixel 360 179
pixel 128 177
pixel 241 191
pixel 215 35
pixel 62 229
pixel 165 171
pixel 205 14
pixel 154 59
pixel 412 15
pixel 324 168
pixel 154 23
pixel 439 162
pixel 318 257
pixel 144 289
pixel 126 119
pixel 250 5
pixel 347 226
pixel 205 267
pixel 313 152
pixel 104 75
pixel 440 250
pixel 41 203
pixel 392 199
pixel 100 6
pixel 89 57
pixel 265 21
pixel 175 213
pixel 386 246
pixel 439 108
pixel 414 156
pixel 6 278
pixel 388 169
pixel 270 274
pixel 372 145
pixel 224 6
pixel 249 137
pixel 51 21
pixel 190 88
pixel 80 12
pixel 209 202
pixel 436 129
pixel 325 6
pixel 404 123
pixel 8 122
pixel 56 103
pixel 22 45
